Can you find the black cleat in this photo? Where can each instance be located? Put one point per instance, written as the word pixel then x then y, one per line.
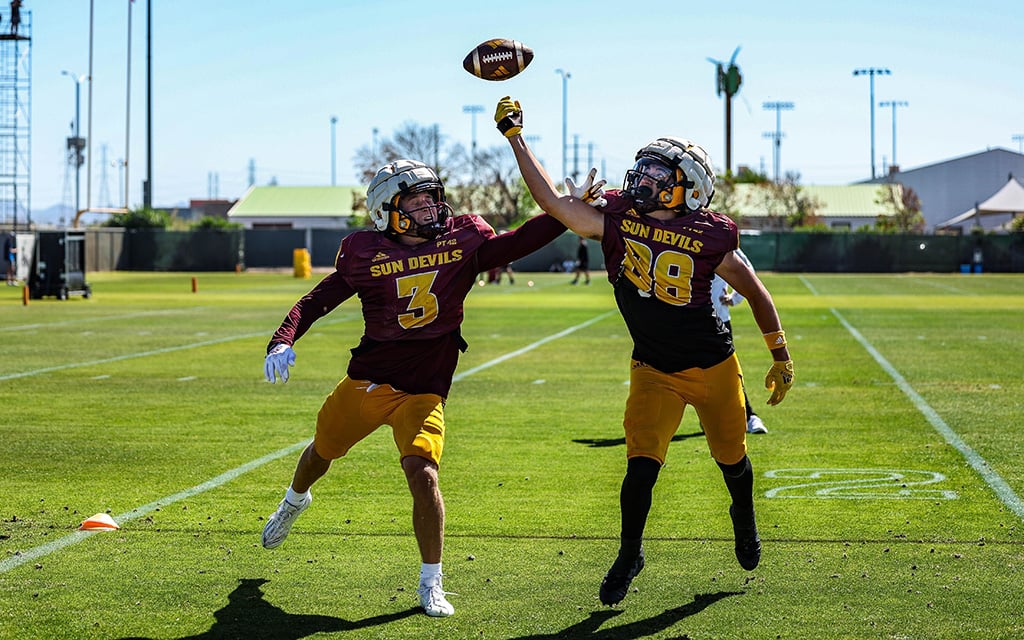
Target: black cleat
pixel 616 582
pixel 748 543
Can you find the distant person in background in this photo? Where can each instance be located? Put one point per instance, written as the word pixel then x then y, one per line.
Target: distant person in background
pixel 11 256
pixel 15 16
pixel 494 275
pixel 723 297
pixel 582 263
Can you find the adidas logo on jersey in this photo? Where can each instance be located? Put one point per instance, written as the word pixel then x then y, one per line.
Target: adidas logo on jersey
pixel 380 256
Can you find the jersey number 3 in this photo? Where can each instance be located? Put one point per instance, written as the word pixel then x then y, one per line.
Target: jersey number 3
pixel 665 276
pixel 422 307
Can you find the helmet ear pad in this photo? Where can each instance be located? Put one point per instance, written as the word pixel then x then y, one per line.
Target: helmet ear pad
pixel 674 195
pixel 398 221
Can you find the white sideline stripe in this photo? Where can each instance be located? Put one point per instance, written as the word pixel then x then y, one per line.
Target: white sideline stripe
pixel 42 550
pixel 70 539
pixel 129 356
pixel 993 479
pixel 810 287
pixel 143 354
pixel 64 323
pixel 531 347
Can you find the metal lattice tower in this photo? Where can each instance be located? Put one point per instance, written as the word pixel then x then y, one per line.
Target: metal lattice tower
pixel 16 121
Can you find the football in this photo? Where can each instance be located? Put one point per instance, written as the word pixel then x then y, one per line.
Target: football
pixel 498 59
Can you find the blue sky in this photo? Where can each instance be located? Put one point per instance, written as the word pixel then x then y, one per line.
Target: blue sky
pixel 256 81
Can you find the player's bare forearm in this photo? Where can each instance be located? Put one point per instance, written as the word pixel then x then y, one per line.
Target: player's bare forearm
pixel 575 214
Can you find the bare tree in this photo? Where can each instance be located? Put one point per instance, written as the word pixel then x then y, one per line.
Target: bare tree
pixel 411 141
pixel 491 186
pixel 904 209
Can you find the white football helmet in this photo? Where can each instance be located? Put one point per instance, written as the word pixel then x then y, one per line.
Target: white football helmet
pixel 399 178
pixel 693 185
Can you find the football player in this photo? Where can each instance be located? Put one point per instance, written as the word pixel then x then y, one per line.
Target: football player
pixel 412 273
pixel 662 247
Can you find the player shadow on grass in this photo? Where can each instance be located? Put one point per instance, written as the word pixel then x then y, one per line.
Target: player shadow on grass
pixel 597 443
pixel 590 629
pixel 247 615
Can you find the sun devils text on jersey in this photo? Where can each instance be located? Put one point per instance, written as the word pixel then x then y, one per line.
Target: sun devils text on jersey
pixel 412 297
pixel 661 271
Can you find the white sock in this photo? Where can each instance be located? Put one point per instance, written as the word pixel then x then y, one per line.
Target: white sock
pixel 295 498
pixel 430 572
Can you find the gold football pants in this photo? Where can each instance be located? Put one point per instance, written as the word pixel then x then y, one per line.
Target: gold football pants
pixel 657 400
pixel 356 408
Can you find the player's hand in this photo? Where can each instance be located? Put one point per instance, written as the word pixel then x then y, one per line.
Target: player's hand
pixel 590 192
pixel 277 362
pixel 509 116
pixel 779 380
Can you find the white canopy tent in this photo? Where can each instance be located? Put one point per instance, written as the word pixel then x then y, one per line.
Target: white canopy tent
pixel 1008 201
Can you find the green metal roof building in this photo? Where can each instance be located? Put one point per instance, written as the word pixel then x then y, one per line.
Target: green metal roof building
pixel 842 206
pixel 277 207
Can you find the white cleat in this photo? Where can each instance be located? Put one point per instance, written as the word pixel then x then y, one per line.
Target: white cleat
pixel 754 425
pixel 280 522
pixel 433 601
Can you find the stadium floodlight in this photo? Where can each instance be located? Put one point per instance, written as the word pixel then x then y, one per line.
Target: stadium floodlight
pixel 871 72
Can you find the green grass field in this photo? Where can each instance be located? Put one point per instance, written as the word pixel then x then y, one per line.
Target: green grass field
pixel 888 487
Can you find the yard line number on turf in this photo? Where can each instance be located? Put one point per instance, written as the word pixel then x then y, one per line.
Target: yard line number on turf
pixel 855 484
pixel 1002 490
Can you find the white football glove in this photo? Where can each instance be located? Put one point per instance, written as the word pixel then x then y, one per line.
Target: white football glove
pixel 277 362
pixel 590 192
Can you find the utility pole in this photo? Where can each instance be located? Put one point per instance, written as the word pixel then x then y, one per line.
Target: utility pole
pixel 334 147
pixel 894 104
pixel 76 144
pixel 1019 139
pixel 565 138
pixel 778 107
pixel 147 189
pixel 871 72
pixel 472 110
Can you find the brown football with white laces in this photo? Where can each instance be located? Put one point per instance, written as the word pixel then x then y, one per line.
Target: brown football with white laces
pixel 498 59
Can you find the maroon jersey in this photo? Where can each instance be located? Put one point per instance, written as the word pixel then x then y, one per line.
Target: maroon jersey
pixel 412 297
pixel 662 272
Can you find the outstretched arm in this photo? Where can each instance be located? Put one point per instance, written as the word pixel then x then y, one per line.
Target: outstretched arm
pixel 573 212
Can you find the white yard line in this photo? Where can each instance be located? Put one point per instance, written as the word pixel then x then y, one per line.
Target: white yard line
pixel 978 463
pixel 64 323
pixel 22 557
pixel 143 354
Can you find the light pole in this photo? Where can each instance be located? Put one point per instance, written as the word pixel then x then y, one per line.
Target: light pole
pixel 334 141
pixel 76 143
pixel 871 72
pixel 894 104
pixel 472 110
pixel 565 141
pixel 778 107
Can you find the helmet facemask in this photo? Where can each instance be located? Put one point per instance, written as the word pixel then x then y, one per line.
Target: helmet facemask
pixel 690 187
pixel 404 178
pixel 653 185
pixel 402 222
